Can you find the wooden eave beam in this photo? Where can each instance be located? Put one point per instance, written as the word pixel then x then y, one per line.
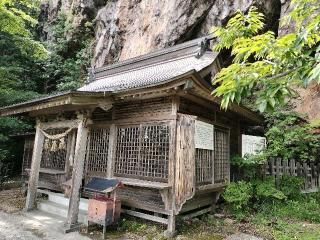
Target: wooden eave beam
pixel 34 107
pixel 200 88
pixel 67 102
pixel 168 89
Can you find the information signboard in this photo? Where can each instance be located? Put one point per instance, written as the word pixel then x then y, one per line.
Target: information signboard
pixel 252 145
pixel 203 135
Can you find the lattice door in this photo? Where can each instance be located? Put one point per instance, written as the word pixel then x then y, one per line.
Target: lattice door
pixel 143 152
pixel 204 168
pixel 221 155
pixel 97 152
pixel 154 151
pixel 27 154
pixel 127 152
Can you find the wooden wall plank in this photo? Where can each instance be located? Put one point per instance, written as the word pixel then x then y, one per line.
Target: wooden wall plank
pixel 185 160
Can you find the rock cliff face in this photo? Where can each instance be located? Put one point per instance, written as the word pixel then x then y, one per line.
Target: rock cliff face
pixel 127 28
pixel 308 103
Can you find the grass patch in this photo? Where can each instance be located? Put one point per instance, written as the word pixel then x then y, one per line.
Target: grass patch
pixel 287 229
pixel 292 219
pixel 304 209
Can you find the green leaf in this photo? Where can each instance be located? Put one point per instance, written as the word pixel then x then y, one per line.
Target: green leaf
pixel 264 65
pixel 263 106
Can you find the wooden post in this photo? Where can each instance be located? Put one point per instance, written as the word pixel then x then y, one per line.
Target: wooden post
pixel 72 148
pixel 35 167
pixel 70 152
pixel 111 150
pixel 77 174
pixel 171 228
pixel 278 174
pixel 213 157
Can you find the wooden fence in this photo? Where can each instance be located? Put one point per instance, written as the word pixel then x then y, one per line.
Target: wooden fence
pixel 309 171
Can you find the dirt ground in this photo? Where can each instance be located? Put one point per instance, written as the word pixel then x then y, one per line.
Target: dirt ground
pixel 15 224
pixel 11 200
pixel 33 226
pixel 36 225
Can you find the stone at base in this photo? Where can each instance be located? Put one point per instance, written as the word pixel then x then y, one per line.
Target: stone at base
pixel 67 228
pixel 168 234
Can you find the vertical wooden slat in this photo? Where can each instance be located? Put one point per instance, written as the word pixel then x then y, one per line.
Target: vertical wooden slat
pixel 221 155
pixel 68 152
pixel 111 150
pixel 309 171
pixel 278 171
pixel 185 161
pixel 27 154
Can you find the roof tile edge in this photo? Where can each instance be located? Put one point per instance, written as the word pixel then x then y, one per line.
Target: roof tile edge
pixel 199 45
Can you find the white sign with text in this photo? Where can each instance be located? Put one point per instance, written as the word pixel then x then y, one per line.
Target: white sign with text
pixel 252 145
pixel 203 135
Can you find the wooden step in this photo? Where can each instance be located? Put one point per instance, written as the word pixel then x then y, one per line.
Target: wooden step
pixel 60 210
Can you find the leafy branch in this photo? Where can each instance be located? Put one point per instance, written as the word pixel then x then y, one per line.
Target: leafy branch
pixel 266 67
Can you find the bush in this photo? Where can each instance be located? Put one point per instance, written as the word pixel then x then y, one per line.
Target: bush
pixel 260 194
pixel 304 209
pixel 238 196
pixel 291 186
pixel 250 166
pixel 4 170
pixel 290 137
pixel 266 191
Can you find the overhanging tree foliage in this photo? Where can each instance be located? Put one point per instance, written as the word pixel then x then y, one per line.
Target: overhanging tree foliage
pixel 19 51
pixel 20 55
pixel 265 66
pixel 30 68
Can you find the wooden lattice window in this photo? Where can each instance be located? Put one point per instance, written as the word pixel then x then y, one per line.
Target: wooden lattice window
pixel 127 153
pixel 143 152
pixel 154 154
pixel 54 159
pixel 204 168
pixel 97 152
pixel 27 154
pixel 221 155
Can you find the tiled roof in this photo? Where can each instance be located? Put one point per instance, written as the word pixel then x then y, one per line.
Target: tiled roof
pixel 149 75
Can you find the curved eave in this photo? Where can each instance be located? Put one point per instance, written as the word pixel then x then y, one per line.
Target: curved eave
pixel 78 100
pixel 205 91
pixel 67 101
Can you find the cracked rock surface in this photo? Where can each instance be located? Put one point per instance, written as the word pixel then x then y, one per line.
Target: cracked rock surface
pixel 128 28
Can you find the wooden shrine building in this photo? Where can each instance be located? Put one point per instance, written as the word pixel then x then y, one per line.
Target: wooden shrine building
pixel 151 122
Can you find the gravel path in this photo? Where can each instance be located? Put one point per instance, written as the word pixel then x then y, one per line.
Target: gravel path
pixel 33 226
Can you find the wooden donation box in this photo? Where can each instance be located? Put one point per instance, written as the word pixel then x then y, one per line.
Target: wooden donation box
pixel 104 208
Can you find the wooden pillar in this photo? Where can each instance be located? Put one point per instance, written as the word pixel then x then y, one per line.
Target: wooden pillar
pixel 111 150
pixel 70 153
pixel 171 228
pixel 35 167
pixel 72 148
pixel 173 141
pixel 77 174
